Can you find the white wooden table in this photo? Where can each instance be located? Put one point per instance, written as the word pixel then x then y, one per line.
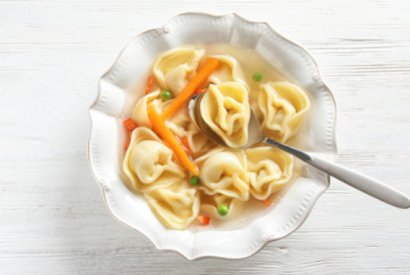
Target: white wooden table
pixel 52 217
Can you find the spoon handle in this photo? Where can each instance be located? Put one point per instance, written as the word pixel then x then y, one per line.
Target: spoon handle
pixel 357 180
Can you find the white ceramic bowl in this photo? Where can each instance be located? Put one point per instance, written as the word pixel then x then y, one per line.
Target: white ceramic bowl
pixel 113 101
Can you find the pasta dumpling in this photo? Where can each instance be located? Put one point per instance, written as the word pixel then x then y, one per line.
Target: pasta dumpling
pixel 173 68
pixel 282 108
pixel 198 143
pixel 179 123
pixel 225 109
pixel 139 113
pixel 148 162
pixel 176 205
pixel 269 169
pixel 182 125
pixel 228 70
pixel 224 172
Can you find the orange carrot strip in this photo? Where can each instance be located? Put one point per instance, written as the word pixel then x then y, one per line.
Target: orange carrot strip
pixel 185 142
pixel 150 83
pixel 130 124
pixel 267 202
pixel 201 76
pixel 159 126
pixel 204 220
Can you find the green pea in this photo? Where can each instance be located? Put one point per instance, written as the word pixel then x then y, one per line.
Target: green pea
pixel 223 210
pixel 194 180
pixel 257 76
pixel 166 95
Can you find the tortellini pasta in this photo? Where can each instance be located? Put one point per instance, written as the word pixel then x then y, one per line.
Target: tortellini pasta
pixel 282 108
pixel 269 169
pixel 228 70
pixel 198 143
pixel 139 113
pixel 176 205
pixel 183 127
pixel 173 68
pixel 229 178
pixel 179 123
pixel 148 162
pixel 225 109
pixel 224 172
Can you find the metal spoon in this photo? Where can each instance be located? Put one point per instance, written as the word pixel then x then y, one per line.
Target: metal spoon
pixel 357 180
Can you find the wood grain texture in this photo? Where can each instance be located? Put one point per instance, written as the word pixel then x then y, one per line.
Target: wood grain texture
pixel 52 217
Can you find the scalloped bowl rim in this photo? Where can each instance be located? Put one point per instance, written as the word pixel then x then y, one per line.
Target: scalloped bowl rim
pixel 257 248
